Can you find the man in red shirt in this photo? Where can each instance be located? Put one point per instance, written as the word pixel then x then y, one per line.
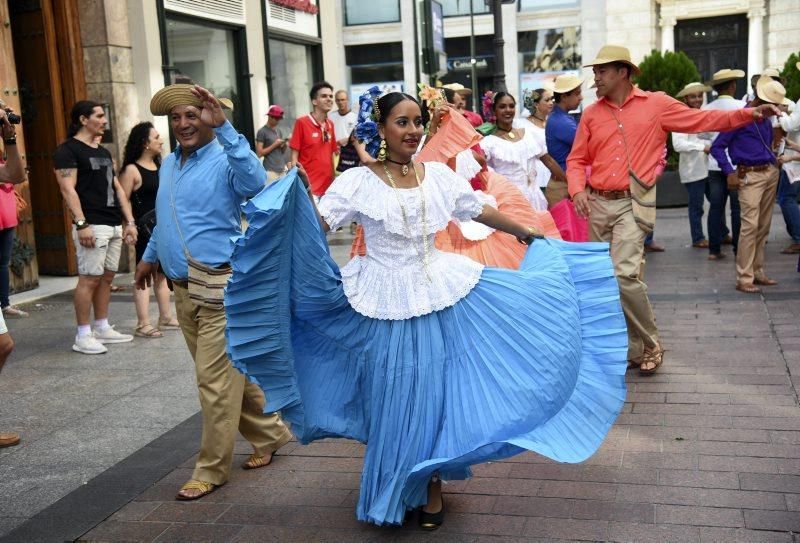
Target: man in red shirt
pixel 313 141
pixel 622 137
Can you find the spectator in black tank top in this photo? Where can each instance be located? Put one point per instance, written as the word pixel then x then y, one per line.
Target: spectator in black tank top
pixel 139 179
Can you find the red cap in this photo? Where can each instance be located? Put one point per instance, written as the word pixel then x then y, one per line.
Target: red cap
pixel 275 111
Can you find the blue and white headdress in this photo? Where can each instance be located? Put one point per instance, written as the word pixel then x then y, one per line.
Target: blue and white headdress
pixel 368 117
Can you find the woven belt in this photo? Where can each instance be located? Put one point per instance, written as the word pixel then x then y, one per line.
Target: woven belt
pixel 613 194
pixel 741 169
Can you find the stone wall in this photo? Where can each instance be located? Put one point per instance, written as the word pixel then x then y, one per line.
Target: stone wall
pixel 632 23
pixel 783 30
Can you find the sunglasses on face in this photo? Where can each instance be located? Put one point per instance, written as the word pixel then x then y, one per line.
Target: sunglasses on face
pixel 325 135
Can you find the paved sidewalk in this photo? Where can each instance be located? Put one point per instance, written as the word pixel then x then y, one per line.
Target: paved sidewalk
pixel 706 450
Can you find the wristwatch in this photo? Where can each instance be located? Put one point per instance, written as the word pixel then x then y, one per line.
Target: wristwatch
pixel 80 224
pixel 10 141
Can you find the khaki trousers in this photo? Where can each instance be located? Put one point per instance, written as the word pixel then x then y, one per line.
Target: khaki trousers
pixel 228 401
pixel 756 198
pixel 612 221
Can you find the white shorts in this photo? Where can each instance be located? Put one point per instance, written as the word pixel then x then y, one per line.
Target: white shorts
pixel 105 253
pixel 3 327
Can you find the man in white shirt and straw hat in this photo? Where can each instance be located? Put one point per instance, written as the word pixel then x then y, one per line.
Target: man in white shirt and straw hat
pixel 693 164
pixel 723 82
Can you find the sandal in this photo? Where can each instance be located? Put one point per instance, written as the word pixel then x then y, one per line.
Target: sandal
pixel 748 289
pixel 171 323
pixel 255 461
pixel 702 244
pixel 765 281
pixel 117 288
pixel 717 256
pixel 148 331
pixel 654 357
pixel 202 486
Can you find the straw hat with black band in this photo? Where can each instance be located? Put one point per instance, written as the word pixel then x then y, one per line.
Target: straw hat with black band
pixel 770 91
pixel 457 88
pixel 725 75
pixel 614 53
pixel 565 83
pixel 692 88
pixel 179 94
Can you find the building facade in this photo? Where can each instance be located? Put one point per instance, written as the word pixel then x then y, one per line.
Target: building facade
pixel 258 52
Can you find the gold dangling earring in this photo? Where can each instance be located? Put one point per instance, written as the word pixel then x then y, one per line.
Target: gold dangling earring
pixel 382 151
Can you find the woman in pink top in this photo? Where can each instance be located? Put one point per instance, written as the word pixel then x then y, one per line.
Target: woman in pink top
pixel 8 223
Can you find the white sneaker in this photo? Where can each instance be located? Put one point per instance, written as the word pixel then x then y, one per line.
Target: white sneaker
pixel 88 345
pixel 109 335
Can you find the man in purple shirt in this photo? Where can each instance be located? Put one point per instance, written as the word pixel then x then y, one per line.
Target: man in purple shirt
pixel 755 177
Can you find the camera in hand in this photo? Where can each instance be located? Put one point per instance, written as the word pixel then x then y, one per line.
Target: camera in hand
pixel 13 118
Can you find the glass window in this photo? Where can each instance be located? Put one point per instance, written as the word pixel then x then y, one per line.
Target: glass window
pixel 553 50
pixel 451 8
pixel 363 12
pixel 292 75
pixel 205 55
pixel 532 5
pixel 375 63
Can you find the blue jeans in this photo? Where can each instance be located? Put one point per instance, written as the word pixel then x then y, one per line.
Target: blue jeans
pixel 717 196
pixel 697 190
pixel 787 199
pixel 6 245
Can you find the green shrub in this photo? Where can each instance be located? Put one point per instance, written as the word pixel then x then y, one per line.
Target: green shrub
pixel 792 76
pixel 668 72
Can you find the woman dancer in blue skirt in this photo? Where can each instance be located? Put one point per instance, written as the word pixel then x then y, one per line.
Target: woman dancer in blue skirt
pixel 434 361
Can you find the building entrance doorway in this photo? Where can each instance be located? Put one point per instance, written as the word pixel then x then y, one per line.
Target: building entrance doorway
pixel 714 43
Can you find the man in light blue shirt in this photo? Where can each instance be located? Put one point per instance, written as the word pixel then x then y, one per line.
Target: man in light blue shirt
pixel 201 186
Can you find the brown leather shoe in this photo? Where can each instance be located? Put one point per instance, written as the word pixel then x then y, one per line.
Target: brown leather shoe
pixel 702 244
pixel 765 281
pixel 792 249
pixel 727 240
pixel 654 248
pixel 9 439
pixel 717 256
pixel 748 289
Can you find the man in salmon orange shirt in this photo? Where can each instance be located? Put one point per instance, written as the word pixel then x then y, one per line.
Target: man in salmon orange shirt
pixel 622 136
pixel 313 140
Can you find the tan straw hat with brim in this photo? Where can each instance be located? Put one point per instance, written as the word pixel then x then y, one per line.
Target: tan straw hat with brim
pixel 179 94
pixel 771 91
pixel 771 72
pixel 692 88
pixel 797 65
pixel 457 87
pixel 725 75
pixel 614 53
pixel 565 83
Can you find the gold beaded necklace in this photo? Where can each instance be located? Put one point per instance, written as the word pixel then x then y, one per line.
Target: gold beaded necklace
pixel 423 211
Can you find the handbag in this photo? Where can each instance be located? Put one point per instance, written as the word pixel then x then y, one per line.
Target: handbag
pixel 206 283
pixel 147 222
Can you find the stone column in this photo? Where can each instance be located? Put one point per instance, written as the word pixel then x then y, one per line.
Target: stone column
pixel 409 29
pixel 510 56
pixel 667 24
pixel 108 66
pixel 755 41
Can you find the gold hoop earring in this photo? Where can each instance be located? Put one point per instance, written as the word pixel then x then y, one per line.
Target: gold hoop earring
pixel 382 151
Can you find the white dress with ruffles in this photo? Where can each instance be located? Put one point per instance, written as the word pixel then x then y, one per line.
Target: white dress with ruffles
pixel 516 161
pixel 391 282
pixel 542 173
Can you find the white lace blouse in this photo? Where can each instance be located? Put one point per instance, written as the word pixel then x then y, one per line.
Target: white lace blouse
pixel 391 282
pixel 542 173
pixel 516 161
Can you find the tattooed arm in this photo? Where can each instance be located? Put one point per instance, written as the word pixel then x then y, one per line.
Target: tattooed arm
pixel 67 179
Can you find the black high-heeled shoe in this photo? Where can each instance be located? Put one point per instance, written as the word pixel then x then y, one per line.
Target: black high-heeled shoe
pixel 431 521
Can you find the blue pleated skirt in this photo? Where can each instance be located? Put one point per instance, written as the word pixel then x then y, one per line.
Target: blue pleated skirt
pixel 531 359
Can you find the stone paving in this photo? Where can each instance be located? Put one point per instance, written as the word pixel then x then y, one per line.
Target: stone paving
pixel 706 450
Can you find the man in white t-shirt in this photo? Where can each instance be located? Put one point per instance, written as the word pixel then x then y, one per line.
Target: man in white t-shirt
pixel 344 119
